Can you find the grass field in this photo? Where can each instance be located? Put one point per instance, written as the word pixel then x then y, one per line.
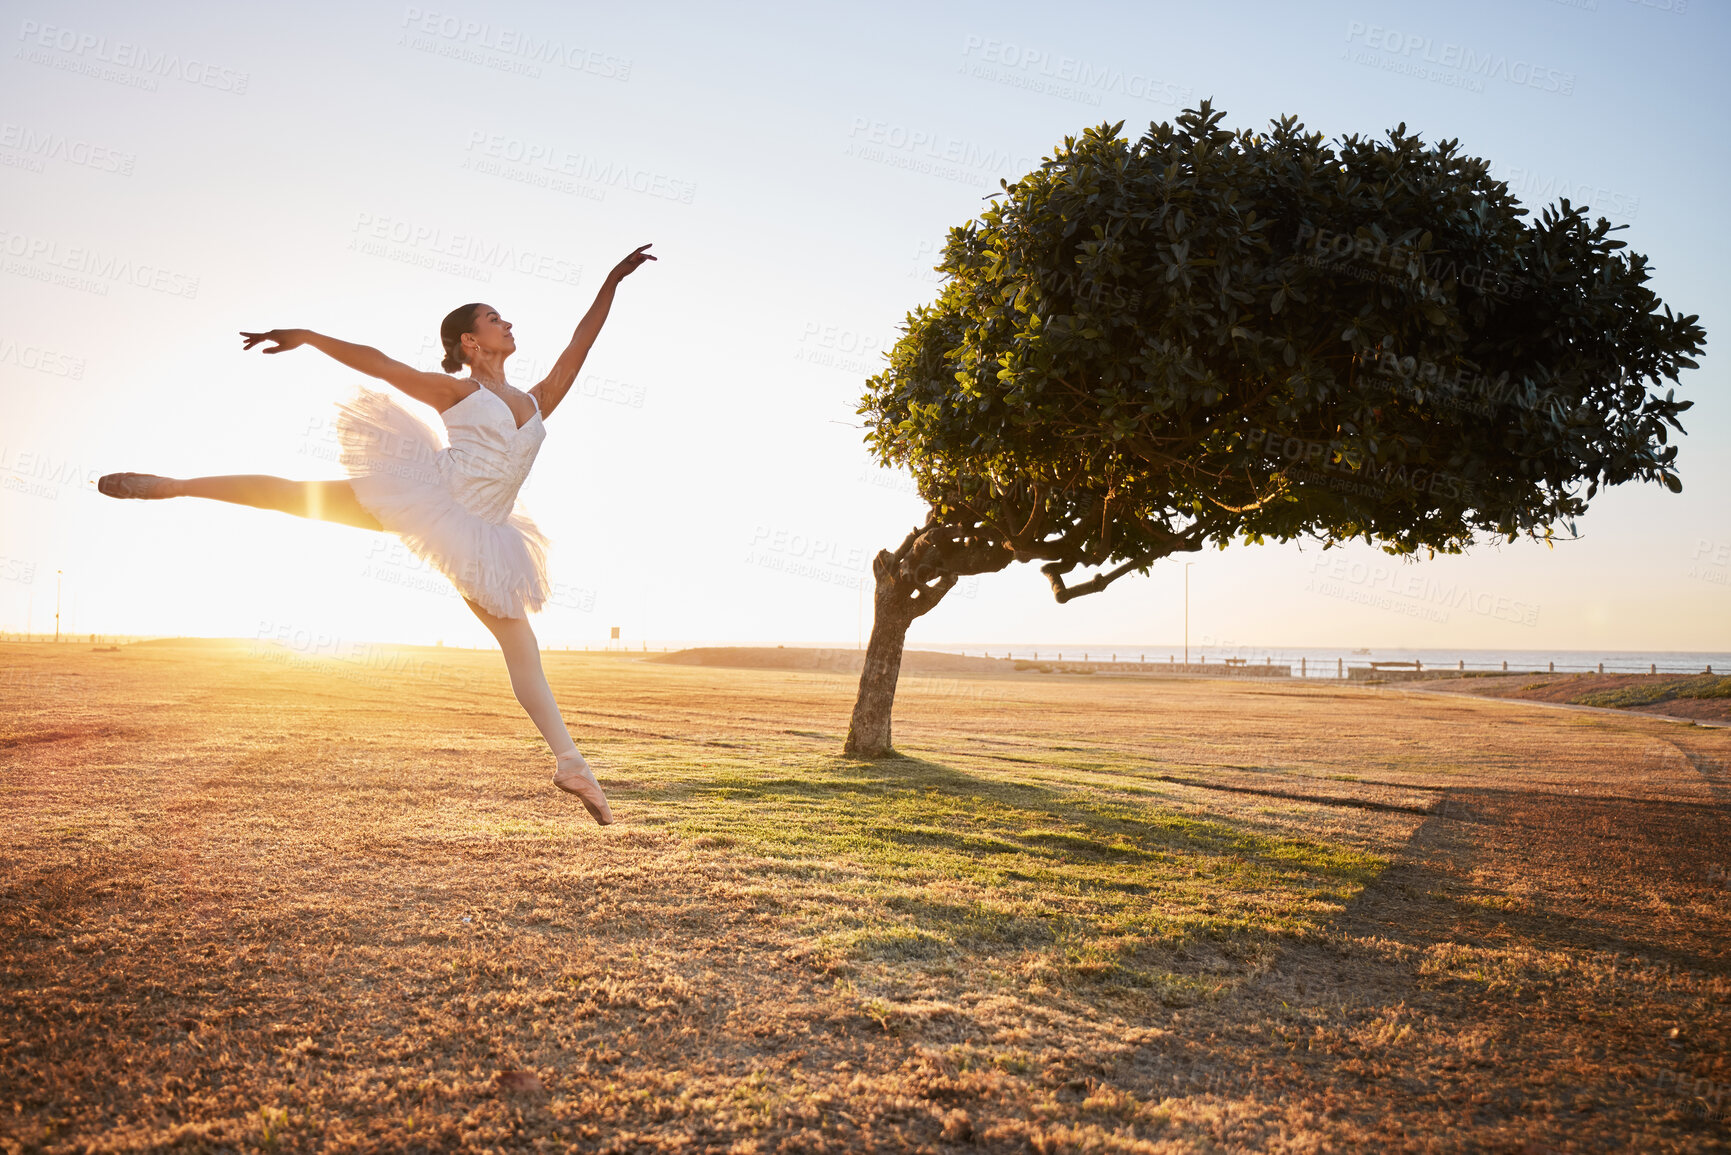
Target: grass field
pixel 1699 697
pixel 252 899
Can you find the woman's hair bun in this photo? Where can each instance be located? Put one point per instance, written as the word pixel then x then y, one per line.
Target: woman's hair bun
pixel 457 322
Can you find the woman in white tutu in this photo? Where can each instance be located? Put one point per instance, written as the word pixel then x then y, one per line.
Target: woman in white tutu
pixel 455 507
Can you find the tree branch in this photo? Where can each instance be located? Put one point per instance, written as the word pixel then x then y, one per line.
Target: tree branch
pixel 1279 490
pixel 1189 541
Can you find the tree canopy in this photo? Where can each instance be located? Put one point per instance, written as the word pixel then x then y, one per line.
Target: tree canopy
pixel 1206 335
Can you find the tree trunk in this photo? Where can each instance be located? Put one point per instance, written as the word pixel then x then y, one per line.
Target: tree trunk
pixel 868 735
pixel 926 566
pixel 898 601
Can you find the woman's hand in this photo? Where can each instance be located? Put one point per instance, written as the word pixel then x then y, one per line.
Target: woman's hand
pixel 285 339
pixel 629 265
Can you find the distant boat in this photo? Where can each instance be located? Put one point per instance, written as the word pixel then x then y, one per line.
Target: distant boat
pixel 1361 651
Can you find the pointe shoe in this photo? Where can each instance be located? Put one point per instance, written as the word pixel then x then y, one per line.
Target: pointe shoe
pixel 574 777
pixel 142 485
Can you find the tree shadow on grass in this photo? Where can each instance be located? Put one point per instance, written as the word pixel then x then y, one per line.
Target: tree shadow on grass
pixel 921 804
pixel 48 898
pixel 1560 871
pixel 1538 966
pixel 953 867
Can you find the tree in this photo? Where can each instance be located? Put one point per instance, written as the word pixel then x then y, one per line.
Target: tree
pixel 1210 336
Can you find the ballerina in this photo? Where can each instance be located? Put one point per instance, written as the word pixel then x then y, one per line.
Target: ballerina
pixel 455 507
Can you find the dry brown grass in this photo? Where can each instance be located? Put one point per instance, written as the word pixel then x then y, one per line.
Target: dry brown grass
pixel 253 902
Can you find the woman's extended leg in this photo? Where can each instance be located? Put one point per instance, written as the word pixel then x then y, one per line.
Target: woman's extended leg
pixel 319 500
pixel 529 682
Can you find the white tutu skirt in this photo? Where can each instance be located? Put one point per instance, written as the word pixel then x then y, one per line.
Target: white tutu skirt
pixel 399 472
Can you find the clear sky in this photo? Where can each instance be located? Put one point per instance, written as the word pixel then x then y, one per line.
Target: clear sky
pixel 175 172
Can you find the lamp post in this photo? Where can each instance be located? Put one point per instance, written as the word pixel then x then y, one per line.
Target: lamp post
pixel 57 574
pixel 1187 566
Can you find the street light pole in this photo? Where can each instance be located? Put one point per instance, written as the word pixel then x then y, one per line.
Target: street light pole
pixel 57 574
pixel 1187 566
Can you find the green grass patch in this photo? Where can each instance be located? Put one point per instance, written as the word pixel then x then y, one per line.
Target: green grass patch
pixel 1660 690
pixel 924 867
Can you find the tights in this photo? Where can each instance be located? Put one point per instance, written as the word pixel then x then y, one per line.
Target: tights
pixel 320 500
pixel 528 681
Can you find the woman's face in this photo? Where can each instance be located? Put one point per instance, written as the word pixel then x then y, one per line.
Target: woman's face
pixel 490 335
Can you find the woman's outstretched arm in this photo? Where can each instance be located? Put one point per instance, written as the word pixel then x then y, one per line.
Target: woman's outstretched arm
pixel 557 383
pixel 436 389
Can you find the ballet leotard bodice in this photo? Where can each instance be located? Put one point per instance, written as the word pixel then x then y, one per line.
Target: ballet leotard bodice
pixel 489 455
